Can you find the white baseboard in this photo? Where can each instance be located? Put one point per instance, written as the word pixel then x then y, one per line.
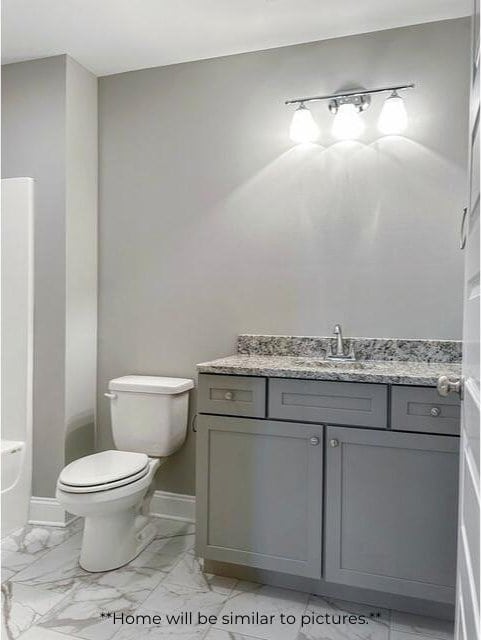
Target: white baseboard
pixel 47 511
pixel 174 506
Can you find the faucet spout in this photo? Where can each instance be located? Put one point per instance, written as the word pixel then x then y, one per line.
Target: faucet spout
pixel 339 340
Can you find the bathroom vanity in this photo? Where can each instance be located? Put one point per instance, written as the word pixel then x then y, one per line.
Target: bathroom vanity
pixel 339 478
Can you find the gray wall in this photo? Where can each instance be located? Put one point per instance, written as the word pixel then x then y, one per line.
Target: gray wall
pixel 33 145
pixel 49 133
pixel 211 224
pixel 81 261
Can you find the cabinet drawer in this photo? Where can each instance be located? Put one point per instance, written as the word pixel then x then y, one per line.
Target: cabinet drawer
pixel 422 409
pixel 232 395
pixel 348 403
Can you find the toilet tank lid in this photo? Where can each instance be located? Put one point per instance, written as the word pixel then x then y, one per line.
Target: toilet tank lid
pixel 151 384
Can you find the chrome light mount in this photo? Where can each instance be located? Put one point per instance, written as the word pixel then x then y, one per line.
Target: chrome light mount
pixel 361 102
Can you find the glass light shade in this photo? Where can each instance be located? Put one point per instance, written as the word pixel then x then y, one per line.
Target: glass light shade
pixel 393 118
pixel 303 127
pixel 348 124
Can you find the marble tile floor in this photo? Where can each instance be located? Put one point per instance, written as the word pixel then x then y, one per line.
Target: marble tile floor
pixel 47 596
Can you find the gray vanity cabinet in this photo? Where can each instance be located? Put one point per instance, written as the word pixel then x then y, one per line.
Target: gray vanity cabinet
pixel 259 493
pixel 391 511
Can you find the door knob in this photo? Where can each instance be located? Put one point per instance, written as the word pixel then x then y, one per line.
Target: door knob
pixel 314 441
pixel 447 385
pixel 334 442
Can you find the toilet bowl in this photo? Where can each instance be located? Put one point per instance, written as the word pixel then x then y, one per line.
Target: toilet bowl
pixel 112 489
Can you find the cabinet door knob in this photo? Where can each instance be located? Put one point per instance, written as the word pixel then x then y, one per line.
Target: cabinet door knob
pixel 334 442
pixel 314 441
pixel 228 395
pixel 435 412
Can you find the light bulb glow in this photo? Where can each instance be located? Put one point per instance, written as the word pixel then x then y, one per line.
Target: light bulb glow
pixel 303 127
pixel 393 118
pixel 348 124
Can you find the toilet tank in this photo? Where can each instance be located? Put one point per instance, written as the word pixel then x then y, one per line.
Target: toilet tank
pixel 149 413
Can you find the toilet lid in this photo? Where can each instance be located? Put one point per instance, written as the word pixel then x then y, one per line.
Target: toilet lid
pixel 104 467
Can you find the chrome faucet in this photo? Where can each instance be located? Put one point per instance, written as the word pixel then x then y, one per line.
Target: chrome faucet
pixel 340 352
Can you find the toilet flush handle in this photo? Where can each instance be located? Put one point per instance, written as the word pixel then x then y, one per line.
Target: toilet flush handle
pixel 112 396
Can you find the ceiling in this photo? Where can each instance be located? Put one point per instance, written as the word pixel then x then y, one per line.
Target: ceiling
pixel 112 36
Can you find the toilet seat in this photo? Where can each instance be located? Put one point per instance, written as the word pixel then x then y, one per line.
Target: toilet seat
pixel 103 471
pixel 102 487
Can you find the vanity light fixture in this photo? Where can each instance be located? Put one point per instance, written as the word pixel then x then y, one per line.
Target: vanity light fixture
pixel 303 126
pixel 347 108
pixel 347 124
pixel 394 117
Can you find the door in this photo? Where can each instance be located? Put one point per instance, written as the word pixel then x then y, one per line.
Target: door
pixel 259 493
pixel 391 505
pixel 467 592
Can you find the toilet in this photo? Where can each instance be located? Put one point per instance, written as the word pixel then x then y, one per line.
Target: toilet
pixel 112 489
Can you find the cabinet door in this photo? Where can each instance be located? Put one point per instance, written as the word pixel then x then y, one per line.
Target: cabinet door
pixel 259 493
pixel 391 512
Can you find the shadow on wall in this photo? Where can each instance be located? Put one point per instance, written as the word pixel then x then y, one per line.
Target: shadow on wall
pixel 351 210
pixel 80 437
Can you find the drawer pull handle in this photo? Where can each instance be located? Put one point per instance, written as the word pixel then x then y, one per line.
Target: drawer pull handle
pixel 435 412
pixel 334 442
pixel 314 441
pixel 112 396
pixel 228 395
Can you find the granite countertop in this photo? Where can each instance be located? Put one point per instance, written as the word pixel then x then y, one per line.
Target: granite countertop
pixel 387 372
pixel 388 361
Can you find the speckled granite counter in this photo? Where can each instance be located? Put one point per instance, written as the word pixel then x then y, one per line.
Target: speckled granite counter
pixel 411 362
pixel 388 372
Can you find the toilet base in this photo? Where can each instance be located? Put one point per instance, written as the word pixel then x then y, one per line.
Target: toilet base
pixel 116 526
pixel 112 541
